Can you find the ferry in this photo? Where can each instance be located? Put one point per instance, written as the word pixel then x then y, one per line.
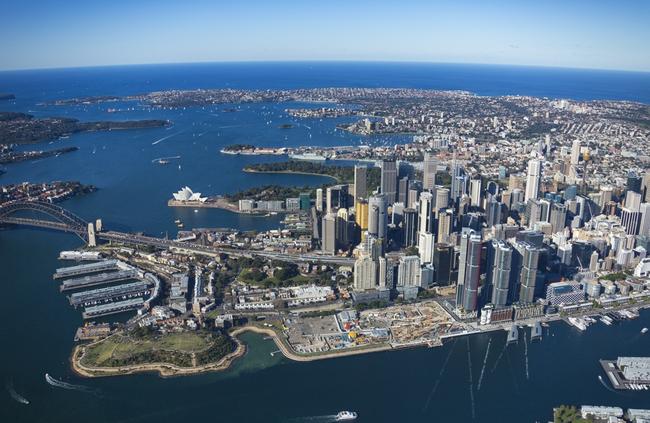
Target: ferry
pixel 346 416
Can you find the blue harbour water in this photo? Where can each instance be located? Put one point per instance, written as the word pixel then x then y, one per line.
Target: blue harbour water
pixel 419 385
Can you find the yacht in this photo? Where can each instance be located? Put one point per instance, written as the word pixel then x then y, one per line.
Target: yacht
pixel 346 416
pixel 579 323
pixel 644 330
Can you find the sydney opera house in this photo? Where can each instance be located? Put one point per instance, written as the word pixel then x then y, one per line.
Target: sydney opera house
pixel 186 194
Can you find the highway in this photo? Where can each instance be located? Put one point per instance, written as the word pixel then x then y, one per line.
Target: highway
pixel 194 248
pixel 68 222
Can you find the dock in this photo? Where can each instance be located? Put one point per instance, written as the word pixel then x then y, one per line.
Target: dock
pixel 112 308
pixel 637 370
pixel 108 294
pixel 513 334
pixel 98 279
pixel 83 269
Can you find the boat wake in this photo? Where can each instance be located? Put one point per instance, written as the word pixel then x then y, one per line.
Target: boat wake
pixel 480 378
pixel 602 381
pixel 496 363
pixel 69 386
pixel 471 381
pixel 164 138
pixel 442 371
pixel 526 355
pixel 15 395
pixel 315 419
pixel 512 373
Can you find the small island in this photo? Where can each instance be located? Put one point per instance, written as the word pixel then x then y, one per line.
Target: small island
pixel 23 128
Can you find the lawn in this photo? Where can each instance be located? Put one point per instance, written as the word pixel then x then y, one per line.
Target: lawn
pixel 175 348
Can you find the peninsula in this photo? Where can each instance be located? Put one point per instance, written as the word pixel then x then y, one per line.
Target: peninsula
pixel 22 128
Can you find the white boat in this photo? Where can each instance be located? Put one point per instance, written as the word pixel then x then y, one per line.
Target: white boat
pixel 644 330
pixel 579 323
pixel 606 320
pixel 346 416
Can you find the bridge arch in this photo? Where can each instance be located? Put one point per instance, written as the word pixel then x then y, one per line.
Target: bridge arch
pixel 67 220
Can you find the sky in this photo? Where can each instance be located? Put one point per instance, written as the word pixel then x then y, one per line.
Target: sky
pixel 599 34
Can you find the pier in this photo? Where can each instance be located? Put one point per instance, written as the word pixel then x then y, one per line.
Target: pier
pixel 83 269
pixel 108 294
pixel 98 279
pixel 112 308
pixel 513 334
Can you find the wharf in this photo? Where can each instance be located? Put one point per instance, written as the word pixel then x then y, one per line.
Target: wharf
pixel 112 308
pixel 536 331
pixel 617 378
pixel 98 279
pixel 108 293
pixel 82 269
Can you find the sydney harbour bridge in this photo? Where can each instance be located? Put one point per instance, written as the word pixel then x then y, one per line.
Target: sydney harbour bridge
pixel 57 218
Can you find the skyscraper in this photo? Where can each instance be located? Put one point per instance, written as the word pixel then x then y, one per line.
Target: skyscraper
pixel 329 234
pixel 360 183
pixel 361 214
pixel 409 271
pixel 499 273
pixel 409 227
pixel 528 274
pixel 445 217
pixel 493 212
pixel 475 192
pixel 458 181
pixel 389 180
pixel 442 199
pixel 644 227
pixel 533 179
pixel 377 215
pixel 425 246
pixel 430 170
pixel 634 182
pixel 426 212
pixel 558 217
pixel 365 273
pixel 415 187
pixel 575 152
pixel 319 199
pixel 468 278
pixel 403 190
pixel 442 263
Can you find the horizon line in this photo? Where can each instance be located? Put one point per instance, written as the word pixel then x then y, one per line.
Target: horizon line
pixel 278 61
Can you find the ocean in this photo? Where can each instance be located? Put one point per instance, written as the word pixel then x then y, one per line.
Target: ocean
pixel 518 384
